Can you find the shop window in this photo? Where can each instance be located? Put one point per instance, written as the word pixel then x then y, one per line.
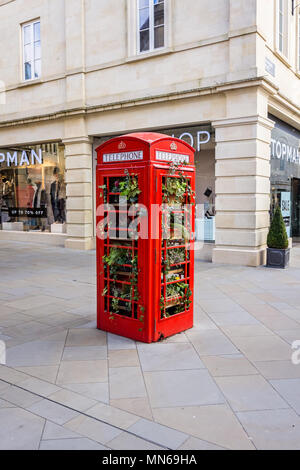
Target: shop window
pixel 32 188
pixel 285 175
pixel 31 35
pixel 151 25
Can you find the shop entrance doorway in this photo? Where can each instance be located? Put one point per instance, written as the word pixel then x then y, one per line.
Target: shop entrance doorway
pixel 281 196
pixel 296 209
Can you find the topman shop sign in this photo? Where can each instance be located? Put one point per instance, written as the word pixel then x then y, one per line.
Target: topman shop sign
pixel 21 158
pixel 284 151
pixel 285 142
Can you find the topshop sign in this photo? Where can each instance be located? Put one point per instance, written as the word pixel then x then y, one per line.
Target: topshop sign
pixel 196 136
pixel 195 139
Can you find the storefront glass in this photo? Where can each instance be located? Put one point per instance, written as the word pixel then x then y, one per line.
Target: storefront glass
pixel 285 175
pixel 32 187
pixel 202 139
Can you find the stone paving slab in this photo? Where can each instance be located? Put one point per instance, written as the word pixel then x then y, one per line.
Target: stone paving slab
pixel 82 371
pixel 228 383
pixel 72 400
pixel 45 373
pixel 162 357
pixel 138 406
pixel 54 431
pixel 182 388
pixel 231 365
pixel 52 411
pixel 155 432
pixel 19 397
pixel 20 429
pixel 6 404
pixel 216 424
pixel 123 358
pixel 196 444
pixel 289 389
pixel 126 382
pixel 88 353
pixel 97 391
pixel 272 429
pixel 93 429
pixel 250 393
pixel 49 353
pixel 128 442
pixel 71 444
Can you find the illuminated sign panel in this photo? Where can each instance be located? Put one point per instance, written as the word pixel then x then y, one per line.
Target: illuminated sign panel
pixel 122 157
pixel 172 157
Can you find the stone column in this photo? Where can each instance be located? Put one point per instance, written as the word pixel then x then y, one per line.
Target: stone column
pixel 242 189
pixel 79 179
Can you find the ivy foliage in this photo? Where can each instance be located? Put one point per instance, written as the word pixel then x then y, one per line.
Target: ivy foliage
pixel 129 187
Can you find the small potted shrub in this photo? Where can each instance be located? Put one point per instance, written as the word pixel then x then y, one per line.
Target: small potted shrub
pixel 278 252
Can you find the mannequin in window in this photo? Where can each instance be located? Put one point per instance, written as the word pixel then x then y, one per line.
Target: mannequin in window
pixel 54 194
pixel 1 198
pixel 58 198
pixel 62 200
pixel 7 194
pixel 209 206
pixel 39 202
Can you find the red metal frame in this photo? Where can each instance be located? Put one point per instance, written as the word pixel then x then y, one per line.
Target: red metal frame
pixel 145 320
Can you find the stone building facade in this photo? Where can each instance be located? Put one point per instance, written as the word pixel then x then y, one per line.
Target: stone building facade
pixel 222 74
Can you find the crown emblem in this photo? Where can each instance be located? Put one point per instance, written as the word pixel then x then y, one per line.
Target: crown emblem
pixel 173 146
pixel 122 145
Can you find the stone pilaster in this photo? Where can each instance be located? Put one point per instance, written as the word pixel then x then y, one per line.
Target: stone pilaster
pixel 75 53
pixel 79 179
pixel 242 190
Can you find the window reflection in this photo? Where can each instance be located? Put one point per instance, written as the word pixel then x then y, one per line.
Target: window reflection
pixel 151 24
pixel 32 187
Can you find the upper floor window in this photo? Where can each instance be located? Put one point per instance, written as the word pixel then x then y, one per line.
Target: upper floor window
pixel 281 25
pixel 31 34
pixel 151 25
pixel 298 41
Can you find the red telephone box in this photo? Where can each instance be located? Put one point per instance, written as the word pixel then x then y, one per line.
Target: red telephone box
pixel 145 242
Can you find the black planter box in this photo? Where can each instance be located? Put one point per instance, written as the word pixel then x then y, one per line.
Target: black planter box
pixel 278 258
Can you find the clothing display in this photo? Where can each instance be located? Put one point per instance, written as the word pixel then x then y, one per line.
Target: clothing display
pixel 33 191
pixel 39 202
pixel 7 198
pixel 39 198
pixel 57 192
pixel 7 192
pixel 25 195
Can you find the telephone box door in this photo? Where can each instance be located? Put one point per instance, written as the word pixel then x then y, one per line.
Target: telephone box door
pixel 175 249
pixel 122 303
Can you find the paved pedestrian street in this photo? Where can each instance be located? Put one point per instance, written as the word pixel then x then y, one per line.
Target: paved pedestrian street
pixel 229 383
